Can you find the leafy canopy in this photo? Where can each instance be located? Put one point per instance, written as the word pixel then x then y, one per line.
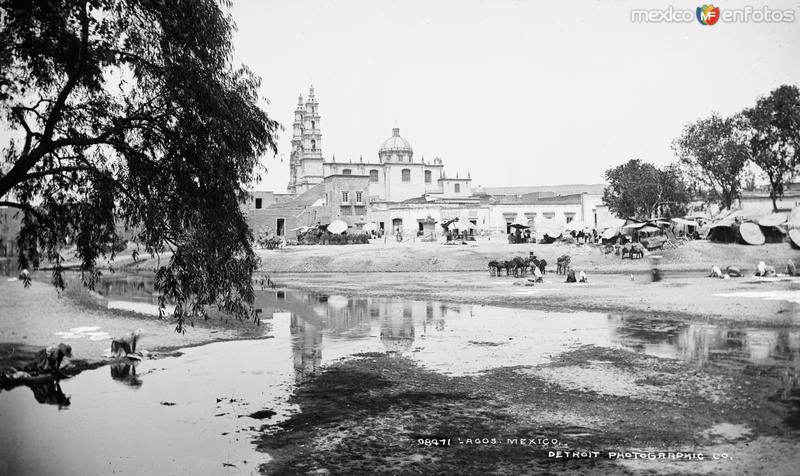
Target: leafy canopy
pixel 714 151
pixel 131 115
pixel 640 190
pixel 775 137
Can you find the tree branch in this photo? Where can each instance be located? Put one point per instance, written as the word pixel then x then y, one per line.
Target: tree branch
pixel 58 170
pixel 72 80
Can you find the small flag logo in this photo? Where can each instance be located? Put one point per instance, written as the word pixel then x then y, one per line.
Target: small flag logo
pixel 707 14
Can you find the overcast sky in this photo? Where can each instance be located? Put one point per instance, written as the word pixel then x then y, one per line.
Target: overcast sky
pixel 515 92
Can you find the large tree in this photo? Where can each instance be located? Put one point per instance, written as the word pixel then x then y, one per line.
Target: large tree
pixel 714 151
pixel 775 137
pixel 640 190
pixel 132 114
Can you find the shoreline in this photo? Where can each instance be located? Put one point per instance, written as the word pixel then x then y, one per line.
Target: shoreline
pixel 678 297
pixel 32 318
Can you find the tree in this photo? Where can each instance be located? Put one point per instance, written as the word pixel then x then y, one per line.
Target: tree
pixel 132 115
pixel 775 137
pixel 714 151
pixel 640 190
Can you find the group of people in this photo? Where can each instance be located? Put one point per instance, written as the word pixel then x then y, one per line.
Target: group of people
pixel 587 237
pixel 49 360
pixel 581 277
pixel 762 270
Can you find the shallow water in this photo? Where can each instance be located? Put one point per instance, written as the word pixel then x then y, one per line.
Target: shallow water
pixel 110 419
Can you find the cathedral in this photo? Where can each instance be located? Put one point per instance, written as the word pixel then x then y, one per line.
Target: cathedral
pixel 397 190
pixel 395 176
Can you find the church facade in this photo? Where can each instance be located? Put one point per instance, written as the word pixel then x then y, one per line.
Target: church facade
pixel 395 176
pixel 398 190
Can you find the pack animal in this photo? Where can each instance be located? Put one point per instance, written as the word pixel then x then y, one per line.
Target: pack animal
pixel 562 264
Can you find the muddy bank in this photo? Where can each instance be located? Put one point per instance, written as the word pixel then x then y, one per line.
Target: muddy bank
pixel 770 302
pixel 36 317
pixel 368 414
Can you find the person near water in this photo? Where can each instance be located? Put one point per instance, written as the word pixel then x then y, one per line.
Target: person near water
pixel 733 272
pixel 537 275
pixel 715 272
pixel 49 360
pixel 124 345
pixel 791 270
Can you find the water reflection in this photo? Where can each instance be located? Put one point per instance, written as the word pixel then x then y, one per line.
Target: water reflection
pixel 50 393
pixel 125 373
pixel 215 386
pixel 702 343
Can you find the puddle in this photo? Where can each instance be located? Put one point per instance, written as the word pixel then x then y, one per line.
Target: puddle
pixel 790 296
pixel 185 415
pixel 192 410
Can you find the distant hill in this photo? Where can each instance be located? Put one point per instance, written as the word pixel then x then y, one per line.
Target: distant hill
pixel 568 189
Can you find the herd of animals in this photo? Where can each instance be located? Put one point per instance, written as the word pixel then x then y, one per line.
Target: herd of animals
pixel 518 267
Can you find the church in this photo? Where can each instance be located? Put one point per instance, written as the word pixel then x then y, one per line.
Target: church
pixel 395 176
pixel 398 190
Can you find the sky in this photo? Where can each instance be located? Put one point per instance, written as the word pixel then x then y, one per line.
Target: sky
pixel 513 92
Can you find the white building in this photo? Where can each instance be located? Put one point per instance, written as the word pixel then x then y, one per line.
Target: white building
pixel 395 176
pixel 403 190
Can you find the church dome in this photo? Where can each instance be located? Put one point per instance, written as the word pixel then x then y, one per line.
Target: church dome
pixel 396 144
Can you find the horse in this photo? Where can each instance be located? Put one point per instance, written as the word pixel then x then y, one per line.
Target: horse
pixel 494 268
pixel 636 249
pixel 520 266
pixel 562 264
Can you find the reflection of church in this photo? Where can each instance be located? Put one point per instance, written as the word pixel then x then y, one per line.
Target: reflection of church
pixel 397 328
pixel 306 346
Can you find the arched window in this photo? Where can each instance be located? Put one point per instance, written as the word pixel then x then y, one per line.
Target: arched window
pixel 406 175
pixel 457 188
pixel 313 144
pixel 313 125
pixel 373 175
pixel 347 172
pixel 427 176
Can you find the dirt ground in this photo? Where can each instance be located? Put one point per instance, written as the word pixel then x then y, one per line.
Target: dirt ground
pixel 367 415
pixel 390 256
pixel 374 414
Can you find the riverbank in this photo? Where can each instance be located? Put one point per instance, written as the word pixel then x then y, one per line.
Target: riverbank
pixel 379 256
pixel 36 317
pixel 415 256
pixel 756 301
